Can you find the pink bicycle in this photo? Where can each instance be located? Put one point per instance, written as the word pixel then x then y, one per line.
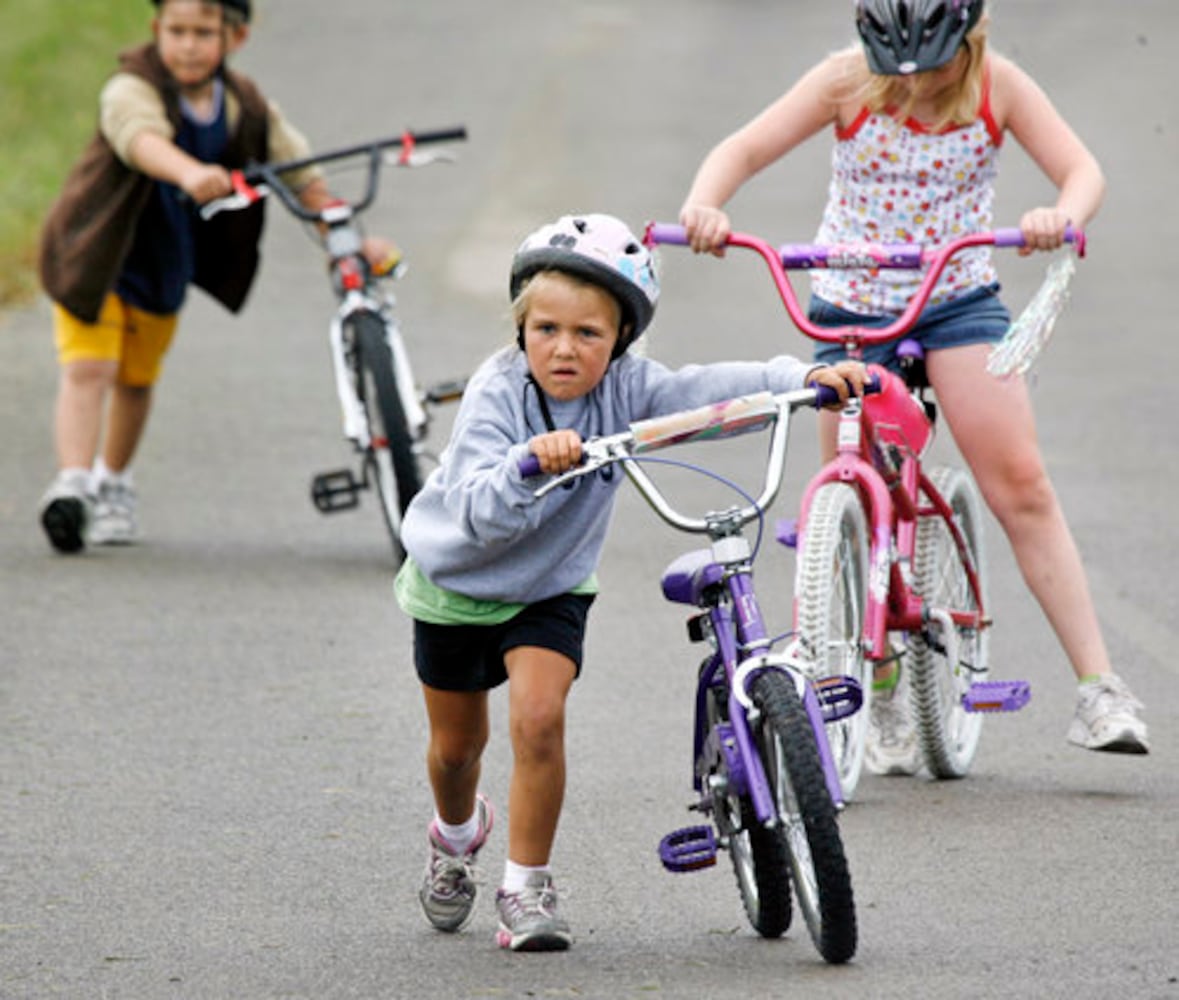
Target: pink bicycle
pixel 891 561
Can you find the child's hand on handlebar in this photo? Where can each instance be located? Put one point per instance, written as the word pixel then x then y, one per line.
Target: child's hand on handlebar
pixel 1043 229
pixel 847 378
pixel 708 228
pixel 203 182
pixel 557 451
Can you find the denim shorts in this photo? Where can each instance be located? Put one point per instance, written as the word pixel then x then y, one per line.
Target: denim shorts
pixel 978 317
pixel 471 657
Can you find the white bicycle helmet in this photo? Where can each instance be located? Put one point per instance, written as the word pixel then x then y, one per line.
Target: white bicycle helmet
pixel 911 36
pixel 600 249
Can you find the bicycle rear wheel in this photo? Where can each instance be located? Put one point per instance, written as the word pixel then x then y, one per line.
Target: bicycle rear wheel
pixel 391 459
pixel 760 859
pixel 822 883
pixel 830 598
pixel 948 733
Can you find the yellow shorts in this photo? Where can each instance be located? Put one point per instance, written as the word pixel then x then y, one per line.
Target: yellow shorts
pixel 137 340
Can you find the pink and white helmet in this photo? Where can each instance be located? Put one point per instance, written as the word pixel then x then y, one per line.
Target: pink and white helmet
pixel 602 250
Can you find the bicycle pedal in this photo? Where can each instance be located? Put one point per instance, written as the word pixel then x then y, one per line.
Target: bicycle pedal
pixel 689 849
pixel 446 392
pixel 786 531
pixel 997 696
pixel 839 697
pixel 335 491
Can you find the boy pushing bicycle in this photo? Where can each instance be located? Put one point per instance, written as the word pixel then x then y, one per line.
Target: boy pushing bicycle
pixel 123 242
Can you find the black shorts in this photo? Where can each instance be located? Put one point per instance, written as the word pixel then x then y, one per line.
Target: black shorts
pixel 471 657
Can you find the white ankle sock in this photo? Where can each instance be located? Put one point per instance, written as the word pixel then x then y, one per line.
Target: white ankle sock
pixel 459 837
pixel 516 876
pixel 101 473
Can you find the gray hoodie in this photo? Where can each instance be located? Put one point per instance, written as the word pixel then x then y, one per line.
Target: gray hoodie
pixel 476 528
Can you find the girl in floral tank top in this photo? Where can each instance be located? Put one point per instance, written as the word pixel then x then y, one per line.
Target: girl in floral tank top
pixel 919 111
pixel 900 182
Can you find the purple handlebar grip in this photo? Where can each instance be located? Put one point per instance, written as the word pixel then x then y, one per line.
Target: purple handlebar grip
pixel 665 232
pixel 825 395
pixel 529 466
pixel 1013 237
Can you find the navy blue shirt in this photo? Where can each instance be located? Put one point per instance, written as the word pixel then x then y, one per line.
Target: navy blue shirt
pixel 162 260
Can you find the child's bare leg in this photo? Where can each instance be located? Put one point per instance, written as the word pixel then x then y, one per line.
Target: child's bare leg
pixel 458 733
pixel 994 428
pixel 129 409
pixel 81 393
pixel 538 684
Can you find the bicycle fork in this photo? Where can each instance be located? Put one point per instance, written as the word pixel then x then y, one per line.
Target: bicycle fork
pixel 340 489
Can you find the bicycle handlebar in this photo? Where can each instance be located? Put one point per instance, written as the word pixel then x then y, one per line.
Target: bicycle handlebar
pixel 724 419
pixel 810 256
pixel 256 180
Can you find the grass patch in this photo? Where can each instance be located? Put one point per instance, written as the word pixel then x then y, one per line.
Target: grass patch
pixel 54 57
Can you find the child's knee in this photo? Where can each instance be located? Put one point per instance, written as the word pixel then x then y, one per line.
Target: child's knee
pixel 456 753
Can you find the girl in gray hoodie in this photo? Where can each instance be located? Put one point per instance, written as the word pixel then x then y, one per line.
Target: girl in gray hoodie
pixel 500 583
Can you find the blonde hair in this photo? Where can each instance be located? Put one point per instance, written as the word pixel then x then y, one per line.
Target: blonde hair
pixel 523 298
pixel 956 105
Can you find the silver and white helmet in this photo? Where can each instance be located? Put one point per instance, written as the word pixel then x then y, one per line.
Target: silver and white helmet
pixel 912 36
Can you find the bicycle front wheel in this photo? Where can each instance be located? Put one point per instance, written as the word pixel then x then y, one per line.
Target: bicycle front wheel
pixel 948 733
pixel 760 859
pixel 830 597
pixel 391 459
pixel 810 829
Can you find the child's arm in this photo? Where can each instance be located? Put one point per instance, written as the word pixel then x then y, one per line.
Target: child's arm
pixel 801 112
pixel 160 158
pixel 1025 109
pixel 133 121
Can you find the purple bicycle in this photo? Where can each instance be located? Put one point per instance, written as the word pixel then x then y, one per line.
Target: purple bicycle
pixel 763 774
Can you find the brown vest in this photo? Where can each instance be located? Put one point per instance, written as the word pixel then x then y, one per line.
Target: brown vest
pixel 91 225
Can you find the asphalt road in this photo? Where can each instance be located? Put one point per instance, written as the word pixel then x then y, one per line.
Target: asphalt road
pixel 211 777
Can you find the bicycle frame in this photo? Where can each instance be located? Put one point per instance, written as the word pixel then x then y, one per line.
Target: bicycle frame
pixel 894 555
pixel 881 440
pixel 763 772
pixel 383 412
pixel 735 622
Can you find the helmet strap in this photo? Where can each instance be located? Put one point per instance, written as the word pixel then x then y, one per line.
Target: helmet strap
pixel 545 413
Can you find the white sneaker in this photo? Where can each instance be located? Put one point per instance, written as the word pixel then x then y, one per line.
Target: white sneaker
pixel 115 521
pixel 890 746
pixel 1107 718
pixel 66 510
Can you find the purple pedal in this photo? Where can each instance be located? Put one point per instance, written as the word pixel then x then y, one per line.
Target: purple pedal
pixel 997 696
pixel 689 849
pixel 786 531
pixel 839 697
